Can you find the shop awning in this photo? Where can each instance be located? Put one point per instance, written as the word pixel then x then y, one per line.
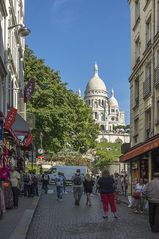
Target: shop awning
pixel 141 149
pixel 20 126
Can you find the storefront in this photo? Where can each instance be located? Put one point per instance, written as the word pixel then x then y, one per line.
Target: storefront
pixel 143 160
pixel 16 137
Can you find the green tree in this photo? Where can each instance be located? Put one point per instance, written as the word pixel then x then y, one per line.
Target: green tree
pixel 61 115
pixel 107 153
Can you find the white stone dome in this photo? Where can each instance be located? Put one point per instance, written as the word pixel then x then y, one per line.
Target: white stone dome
pixel 112 100
pixel 96 83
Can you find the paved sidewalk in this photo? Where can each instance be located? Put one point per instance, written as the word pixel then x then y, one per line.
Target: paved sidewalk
pixel 15 222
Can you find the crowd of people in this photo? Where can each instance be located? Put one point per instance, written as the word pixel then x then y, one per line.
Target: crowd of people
pixel 111 188
pixel 145 195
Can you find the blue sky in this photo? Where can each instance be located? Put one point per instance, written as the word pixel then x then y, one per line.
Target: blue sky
pixel 71 35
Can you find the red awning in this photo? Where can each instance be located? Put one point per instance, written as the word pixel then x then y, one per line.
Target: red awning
pixel 141 149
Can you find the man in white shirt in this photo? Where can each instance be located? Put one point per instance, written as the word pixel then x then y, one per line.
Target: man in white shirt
pixel 14 179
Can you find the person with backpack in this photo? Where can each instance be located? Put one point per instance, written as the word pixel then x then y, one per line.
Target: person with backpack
pixel 59 181
pixel 45 179
pixel 77 183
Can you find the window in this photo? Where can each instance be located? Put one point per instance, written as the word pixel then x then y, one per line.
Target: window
pixel 136 130
pixel 95 104
pixel 157 16
pixel 112 118
pixel 96 115
pixel 147 82
pixel 137 91
pixel 102 128
pixel 136 126
pixel 102 117
pixel 112 110
pixel 147 123
pixel 102 102
pixel 157 112
pixel 137 49
pixel 148 31
pixel 137 10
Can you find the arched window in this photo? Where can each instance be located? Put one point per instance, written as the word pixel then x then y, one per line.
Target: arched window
pixel 102 128
pixel 96 115
pixel 102 117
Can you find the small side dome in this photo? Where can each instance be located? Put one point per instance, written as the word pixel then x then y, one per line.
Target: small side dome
pixel 112 101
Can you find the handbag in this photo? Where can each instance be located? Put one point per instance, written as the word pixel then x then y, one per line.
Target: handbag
pixel 136 195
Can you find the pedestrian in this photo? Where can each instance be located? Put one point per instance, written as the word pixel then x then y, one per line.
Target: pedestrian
pixel 152 194
pixel 64 183
pixel 138 196
pixel 117 187
pixel 106 189
pixel 35 184
pixel 88 188
pixel 126 181
pixel 96 185
pixel 77 183
pixel 14 179
pixel 27 183
pixel 59 181
pixel 45 179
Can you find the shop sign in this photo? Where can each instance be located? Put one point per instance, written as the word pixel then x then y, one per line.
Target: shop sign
pixel 29 90
pixel 40 151
pixel 10 118
pixel 28 140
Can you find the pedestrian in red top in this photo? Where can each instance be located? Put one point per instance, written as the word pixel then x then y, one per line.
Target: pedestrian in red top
pixel 106 189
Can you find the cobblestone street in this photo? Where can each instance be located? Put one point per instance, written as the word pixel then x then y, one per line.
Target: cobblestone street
pixel 63 220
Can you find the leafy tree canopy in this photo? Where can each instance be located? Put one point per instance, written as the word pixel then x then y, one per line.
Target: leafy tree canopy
pixel 106 153
pixel 62 116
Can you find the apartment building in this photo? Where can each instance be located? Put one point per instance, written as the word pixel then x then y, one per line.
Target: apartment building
pixel 143 157
pixel 12 45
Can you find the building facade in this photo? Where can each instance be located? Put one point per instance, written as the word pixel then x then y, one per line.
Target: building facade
pixel 12 45
pixel 144 86
pixel 105 110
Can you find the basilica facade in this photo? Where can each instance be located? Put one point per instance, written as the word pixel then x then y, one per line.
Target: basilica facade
pixel 106 111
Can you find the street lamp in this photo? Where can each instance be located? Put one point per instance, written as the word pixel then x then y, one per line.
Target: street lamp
pixel 23 31
pixel 41 139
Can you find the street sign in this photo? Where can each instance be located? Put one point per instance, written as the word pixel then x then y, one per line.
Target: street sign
pixel 40 151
